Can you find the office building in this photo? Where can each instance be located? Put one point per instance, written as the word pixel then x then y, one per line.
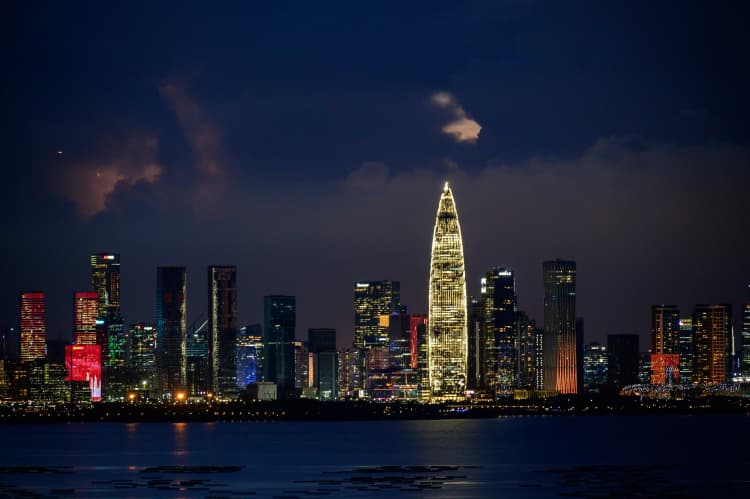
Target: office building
pixel 171 329
pixel 665 344
pixel 712 331
pixel 279 323
pixel 85 313
pixel 475 348
pixel 447 328
pixel 372 300
pixel 499 305
pixel 560 336
pixel 301 366
pixel 686 350
pixel 622 360
pixel 249 355
pixel 142 358
pixel 526 333
pixel 350 372
pixel 594 366
pixel 222 330
pixel 745 365
pixel 321 344
pixel 33 326
pixel 197 371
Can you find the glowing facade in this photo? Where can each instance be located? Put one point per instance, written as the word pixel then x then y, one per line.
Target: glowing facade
pixel 448 335
pixel 84 320
pixel 712 329
pixel 222 329
pixel 665 343
pixel 33 327
pixel 373 299
pixel 560 338
pixel 171 329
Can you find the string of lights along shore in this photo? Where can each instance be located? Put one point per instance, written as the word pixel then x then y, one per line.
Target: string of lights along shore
pixel 482 347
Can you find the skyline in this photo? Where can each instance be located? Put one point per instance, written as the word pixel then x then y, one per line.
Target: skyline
pixel 305 145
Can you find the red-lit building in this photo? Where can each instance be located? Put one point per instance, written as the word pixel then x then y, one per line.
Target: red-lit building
pixel 84 318
pixel 665 368
pixel 83 363
pixel 33 327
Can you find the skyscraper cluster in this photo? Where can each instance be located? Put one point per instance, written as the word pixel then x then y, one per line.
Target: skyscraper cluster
pixel 481 346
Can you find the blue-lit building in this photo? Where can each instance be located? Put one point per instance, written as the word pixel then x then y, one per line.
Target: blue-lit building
pixel 249 355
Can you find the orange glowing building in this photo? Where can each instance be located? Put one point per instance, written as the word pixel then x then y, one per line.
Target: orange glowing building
pixel 85 313
pixel 33 327
pixel 665 368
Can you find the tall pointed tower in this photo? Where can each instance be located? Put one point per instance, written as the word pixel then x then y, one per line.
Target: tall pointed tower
pixel 448 335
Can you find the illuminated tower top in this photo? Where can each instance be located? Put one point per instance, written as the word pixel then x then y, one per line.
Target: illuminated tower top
pixel 448 335
pixel 105 281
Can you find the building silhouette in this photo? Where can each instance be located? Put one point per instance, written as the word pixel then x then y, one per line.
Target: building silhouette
pixel 560 336
pixel 171 329
pixel 321 344
pixel 222 330
pixel 279 323
pixel 622 360
pixel 448 333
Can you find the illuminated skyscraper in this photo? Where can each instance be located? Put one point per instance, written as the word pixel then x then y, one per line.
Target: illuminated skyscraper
pixel 594 366
pixel 249 355
pixel 222 329
pixel 171 328
pixel 448 333
pixel 475 348
pixel 526 334
pixel 499 309
pixel 143 355
pixel 279 323
pixel 105 281
pixel 712 330
pixel 665 329
pixel 85 314
pixel 745 366
pixel 33 327
pixel 686 350
pixel 373 299
pixel 560 338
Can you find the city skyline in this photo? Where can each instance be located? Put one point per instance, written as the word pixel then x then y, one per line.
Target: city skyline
pixel 581 133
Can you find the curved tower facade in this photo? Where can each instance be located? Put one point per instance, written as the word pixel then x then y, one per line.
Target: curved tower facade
pixel 448 335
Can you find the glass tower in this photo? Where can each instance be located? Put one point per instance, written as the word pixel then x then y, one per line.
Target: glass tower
pixel 746 340
pixel 222 329
pixel 171 329
pixel 321 344
pixel 279 323
pixel 560 338
pixel 373 299
pixel 448 334
pixel 33 327
pixel 85 313
pixel 499 308
pixel 249 355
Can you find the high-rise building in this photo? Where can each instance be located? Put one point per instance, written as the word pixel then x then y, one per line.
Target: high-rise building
pixel 665 329
pixel 623 359
pixel 142 358
pixel 105 281
pixel 594 366
pixel 197 377
pixel 279 323
pixel 222 329
pixel 712 330
pixel 171 329
pixel 321 344
pixel 745 366
pixel 33 326
pixel 560 338
pixel 249 355
pixel 301 366
pixel 372 300
pixel 475 348
pixel 350 372
pixel 85 313
pixel 499 306
pixel 686 350
pixel 448 332
pixel 526 333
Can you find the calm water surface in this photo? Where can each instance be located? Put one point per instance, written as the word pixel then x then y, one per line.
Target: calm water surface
pixel 534 457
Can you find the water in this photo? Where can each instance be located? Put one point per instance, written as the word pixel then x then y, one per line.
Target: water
pixel 527 457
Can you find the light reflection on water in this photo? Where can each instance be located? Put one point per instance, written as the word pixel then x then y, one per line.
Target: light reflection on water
pixel 514 457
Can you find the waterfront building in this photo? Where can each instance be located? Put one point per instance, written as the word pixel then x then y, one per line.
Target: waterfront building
pixel 447 328
pixel 321 344
pixel 561 349
pixel 350 372
pixel 222 330
pixel 539 359
pixel 301 366
pixel 475 346
pixel 33 326
pixel 526 332
pixel 372 300
pixel 85 313
pixel 622 360
pixel 171 329
pixel 594 366
pixel 249 355
pixel 279 324
pixel 499 306
pixel 197 369
pixel 712 332
pixel 665 344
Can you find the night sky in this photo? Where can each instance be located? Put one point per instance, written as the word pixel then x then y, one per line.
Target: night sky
pixel 308 143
